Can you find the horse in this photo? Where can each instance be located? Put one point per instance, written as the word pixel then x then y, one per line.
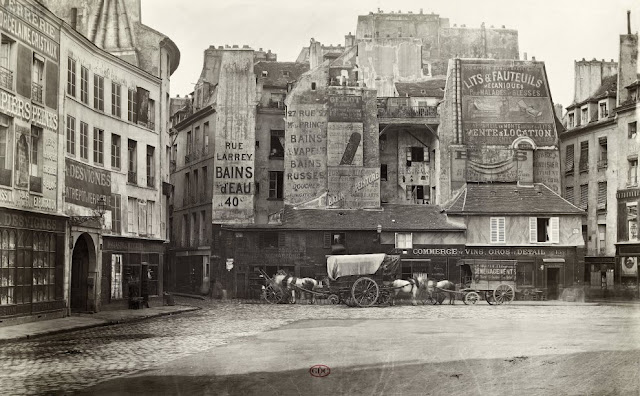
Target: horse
pixel 296 286
pixel 442 290
pixel 410 286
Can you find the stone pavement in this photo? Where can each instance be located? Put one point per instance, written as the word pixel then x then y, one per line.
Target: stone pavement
pixel 84 321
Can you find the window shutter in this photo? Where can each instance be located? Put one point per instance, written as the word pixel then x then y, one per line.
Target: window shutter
pixel 623 231
pixel 327 240
pixel 281 239
pixel 533 229
pixel 494 229
pixel 555 230
pixel 143 105
pixel 602 195
pixel 142 217
pixel 51 81
pixel 426 154
pixel 501 233
pixel 23 71
pixel 408 149
pixel 569 158
pixel 398 240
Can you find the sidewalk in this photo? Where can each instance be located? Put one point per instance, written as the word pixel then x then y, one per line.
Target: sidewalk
pixel 85 321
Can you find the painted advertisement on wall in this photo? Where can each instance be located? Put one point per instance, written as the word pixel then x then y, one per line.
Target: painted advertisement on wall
pixel 547 168
pixel 353 187
pixel 305 165
pixel 343 108
pixel 492 164
pixel 85 185
pixel 504 101
pixel 344 144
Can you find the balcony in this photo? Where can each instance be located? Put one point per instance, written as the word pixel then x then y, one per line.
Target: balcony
pixel 36 92
pixel 401 109
pixel 132 177
pixel 151 181
pixel 6 78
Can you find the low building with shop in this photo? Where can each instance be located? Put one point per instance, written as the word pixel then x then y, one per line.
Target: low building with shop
pixel 530 225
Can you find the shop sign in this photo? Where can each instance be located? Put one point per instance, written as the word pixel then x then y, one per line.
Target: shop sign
pixel 484 251
pixel 629 266
pixel 118 245
pixel 11 219
pixel 24 110
pixel 28 25
pixel 85 184
pixel 344 108
pixel 486 270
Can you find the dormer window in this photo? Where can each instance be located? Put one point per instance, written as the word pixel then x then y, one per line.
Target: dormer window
pixel 265 73
pixel 285 73
pixel 633 94
pixel 423 91
pixel 603 111
pixel 572 120
pixel 584 115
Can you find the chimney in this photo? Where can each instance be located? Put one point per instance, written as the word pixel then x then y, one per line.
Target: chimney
pixel 558 110
pixel 524 55
pixel 627 62
pixel 315 54
pixel 349 40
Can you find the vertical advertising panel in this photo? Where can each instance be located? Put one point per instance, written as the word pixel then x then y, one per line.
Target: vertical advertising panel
pixel 547 168
pixel 353 187
pixel 344 143
pixel 504 101
pixel 305 165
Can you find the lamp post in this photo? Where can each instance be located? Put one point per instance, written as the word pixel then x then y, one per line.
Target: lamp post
pixel 98 212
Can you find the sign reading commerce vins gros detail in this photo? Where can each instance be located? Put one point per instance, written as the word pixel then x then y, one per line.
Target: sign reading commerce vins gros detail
pixel 503 101
pixel 305 167
pixel 85 185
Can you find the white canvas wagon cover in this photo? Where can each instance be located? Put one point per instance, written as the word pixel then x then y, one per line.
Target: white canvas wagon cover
pixel 360 264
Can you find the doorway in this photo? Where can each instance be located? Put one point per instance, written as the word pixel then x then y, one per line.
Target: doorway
pixel 79 275
pixel 553 280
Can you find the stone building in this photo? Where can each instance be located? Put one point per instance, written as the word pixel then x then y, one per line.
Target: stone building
pixel 599 165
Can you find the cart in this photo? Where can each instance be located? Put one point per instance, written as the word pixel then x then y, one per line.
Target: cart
pixel 492 280
pixel 271 292
pixel 358 279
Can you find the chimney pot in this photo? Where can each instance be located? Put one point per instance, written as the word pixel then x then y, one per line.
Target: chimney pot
pixel 421 10
pixel 235 46
pixel 628 21
pixel 503 26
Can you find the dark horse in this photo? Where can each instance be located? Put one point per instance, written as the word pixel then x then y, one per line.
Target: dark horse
pixel 440 290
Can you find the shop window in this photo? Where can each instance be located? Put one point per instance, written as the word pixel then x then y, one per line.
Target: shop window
pixel 524 274
pixel 276 184
pixel 269 240
pixel 277 144
pixel 116 276
pixel 497 229
pixel 404 240
pixel 544 229
pixel 8 281
pixel 632 220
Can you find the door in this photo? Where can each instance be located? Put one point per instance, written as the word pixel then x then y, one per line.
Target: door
pixel 79 273
pixel 553 279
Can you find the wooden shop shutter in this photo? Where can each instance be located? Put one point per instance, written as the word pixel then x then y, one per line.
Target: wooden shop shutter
pixel 533 229
pixel 327 240
pixel 23 71
pixel 623 232
pixel 51 81
pixel 555 230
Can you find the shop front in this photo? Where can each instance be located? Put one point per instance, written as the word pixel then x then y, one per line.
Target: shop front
pixel 130 268
pixel 32 252
pixel 627 257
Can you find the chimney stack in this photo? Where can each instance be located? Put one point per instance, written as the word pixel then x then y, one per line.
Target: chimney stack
pixel 627 62
pixel 628 22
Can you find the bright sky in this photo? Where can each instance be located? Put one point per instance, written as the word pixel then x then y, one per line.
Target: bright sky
pixel 557 32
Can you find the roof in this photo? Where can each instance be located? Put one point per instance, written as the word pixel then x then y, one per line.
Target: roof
pixel 391 217
pixel 275 76
pixel 430 88
pixel 608 88
pixel 510 199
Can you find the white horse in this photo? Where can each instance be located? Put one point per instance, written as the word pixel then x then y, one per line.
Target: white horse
pixel 296 286
pixel 409 286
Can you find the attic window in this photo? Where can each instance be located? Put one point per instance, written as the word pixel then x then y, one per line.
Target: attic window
pixel 423 91
pixel 265 73
pixel 285 73
pixel 313 86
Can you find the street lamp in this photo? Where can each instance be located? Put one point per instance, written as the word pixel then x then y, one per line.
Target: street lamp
pixel 98 212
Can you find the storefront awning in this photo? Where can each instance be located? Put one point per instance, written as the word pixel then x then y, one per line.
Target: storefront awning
pixel 553 260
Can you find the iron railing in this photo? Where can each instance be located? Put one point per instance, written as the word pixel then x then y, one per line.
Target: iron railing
pixel 6 78
pixel 399 111
pixel 36 92
pixel 132 177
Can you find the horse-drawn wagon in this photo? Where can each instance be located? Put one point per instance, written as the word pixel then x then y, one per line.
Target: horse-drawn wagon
pixel 493 280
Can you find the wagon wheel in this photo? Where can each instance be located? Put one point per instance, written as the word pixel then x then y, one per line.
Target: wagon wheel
pixel 489 298
pixel 365 292
pixel 503 293
pixel 471 298
pixel 272 294
pixel 384 298
pixel 429 300
pixel 333 299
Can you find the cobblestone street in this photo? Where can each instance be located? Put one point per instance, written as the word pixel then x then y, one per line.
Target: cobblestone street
pixel 76 360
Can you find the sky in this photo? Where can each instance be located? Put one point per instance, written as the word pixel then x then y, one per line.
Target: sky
pixel 557 32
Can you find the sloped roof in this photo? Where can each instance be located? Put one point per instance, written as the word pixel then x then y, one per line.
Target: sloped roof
pixel 430 88
pixel 510 198
pixel 608 88
pixel 390 217
pixel 275 77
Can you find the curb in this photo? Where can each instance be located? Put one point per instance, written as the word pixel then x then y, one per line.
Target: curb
pixel 106 322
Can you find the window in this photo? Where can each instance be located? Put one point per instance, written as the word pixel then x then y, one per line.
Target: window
pixel 269 240
pixel 584 156
pixel 98 92
pixel 150 209
pixel 132 106
pixel 115 100
pixel 632 129
pixel 132 206
pixel 116 276
pixel 84 85
pixel 84 140
pixel 185 230
pixel 524 273
pixel 417 154
pixel 71 77
pixel 383 172
pixel 277 144
pixel 313 86
pixel 187 191
pixel 151 115
pixel 602 161
pixel 276 179
pixel 116 213
pixel 632 220
pixel 602 195
pixel 497 229
pixel 276 101
pixel 544 229
pixel 150 167
pixel 37 82
pixel 404 240
pixel 35 169
pixel 196 135
pixel 5 155
pixel 189 144
pixel 115 151
pixel 632 177
pixel 568 193
pixel 604 113
pixel 205 133
pixel 205 193
pixel 338 239
pixel 584 116
pixel 572 120
pixel 71 135
pixel 142 217
pixel 194 230
pixel 418 193
pixel 194 194
pixel 584 196
pixel 98 146
pixel 203 228
pixel 132 176
pixel 6 68
pixel 569 159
